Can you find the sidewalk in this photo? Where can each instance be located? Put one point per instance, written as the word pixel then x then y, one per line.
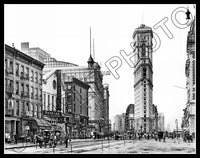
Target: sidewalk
pixel 31 144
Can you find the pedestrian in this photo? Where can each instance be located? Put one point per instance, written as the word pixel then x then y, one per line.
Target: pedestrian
pixel 156 136
pixel 54 140
pixel 34 138
pixel 51 140
pixel 16 137
pixel 148 136
pixel 66 140
pixel 164 135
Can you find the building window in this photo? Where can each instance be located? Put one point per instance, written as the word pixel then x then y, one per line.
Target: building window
pixel 17 69
pixel 32 93
pixel 80 90
pixel 69 97
pixel 6 64
pixel 52 103
pixel 81 99
pixel 144 72
pixel 17 107
pixel 36 77
pixel 193 69
pixel 36 110
pixel 17 88
pixel 193 96
pixel 40 94
pixel 22 68
pixel 36 93
pixel 27 90
pixel 27 73
pixel 48 102
pixel 22 88
pixel 39 111
pixel 40 79
pixel 74 97
pixel 32 76
pixel 80 109
pixel 44 101
pixel 11 67
pixel 74 108
pixel 27 107
pixel 23 108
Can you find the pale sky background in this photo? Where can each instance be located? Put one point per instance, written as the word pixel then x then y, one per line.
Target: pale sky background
pixel 63 32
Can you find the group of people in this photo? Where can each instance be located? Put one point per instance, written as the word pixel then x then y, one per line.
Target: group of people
pixel 41 138
pixel 51 139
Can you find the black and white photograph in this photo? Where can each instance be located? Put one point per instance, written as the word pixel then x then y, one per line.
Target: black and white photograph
pixel 99 79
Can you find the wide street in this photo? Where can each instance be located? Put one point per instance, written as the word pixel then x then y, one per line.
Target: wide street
pixel 113 147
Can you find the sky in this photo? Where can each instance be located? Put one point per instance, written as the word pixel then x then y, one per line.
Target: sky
pixel 63 30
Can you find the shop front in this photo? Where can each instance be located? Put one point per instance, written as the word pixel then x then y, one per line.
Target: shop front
pixel 32 125
pixel 11 128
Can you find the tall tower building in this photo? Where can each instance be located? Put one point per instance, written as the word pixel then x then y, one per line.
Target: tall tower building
pixel 143 78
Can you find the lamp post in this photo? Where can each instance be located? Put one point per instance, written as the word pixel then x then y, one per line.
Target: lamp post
pixel 176 122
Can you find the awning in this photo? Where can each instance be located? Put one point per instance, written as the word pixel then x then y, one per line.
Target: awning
pixel 40 122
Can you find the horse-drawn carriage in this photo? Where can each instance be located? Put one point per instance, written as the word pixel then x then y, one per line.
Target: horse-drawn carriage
pixel 49 137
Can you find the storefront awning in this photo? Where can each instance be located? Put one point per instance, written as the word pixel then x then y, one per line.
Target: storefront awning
pixel 40 122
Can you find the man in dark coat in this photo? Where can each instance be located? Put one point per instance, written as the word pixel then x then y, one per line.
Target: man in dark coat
pixel 66 140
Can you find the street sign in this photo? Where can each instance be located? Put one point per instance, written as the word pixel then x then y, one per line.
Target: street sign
pixel 52 113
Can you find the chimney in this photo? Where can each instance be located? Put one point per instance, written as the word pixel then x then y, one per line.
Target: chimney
pixel 24 46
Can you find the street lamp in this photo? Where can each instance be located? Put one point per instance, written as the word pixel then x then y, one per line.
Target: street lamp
pixel 176 121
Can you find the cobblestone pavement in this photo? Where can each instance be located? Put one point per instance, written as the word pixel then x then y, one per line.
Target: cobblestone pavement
pixel 115 147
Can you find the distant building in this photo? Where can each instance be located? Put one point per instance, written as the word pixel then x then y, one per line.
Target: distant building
pixel 92 76
pixel 36 52
pixel 143 78
pixel 129 118
pixel 105 107
pixel 54 110
pixel 155 118
pixel 123 116
pixel 161 122
pixel 23 93
pixel 77 106
pixel 117 123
